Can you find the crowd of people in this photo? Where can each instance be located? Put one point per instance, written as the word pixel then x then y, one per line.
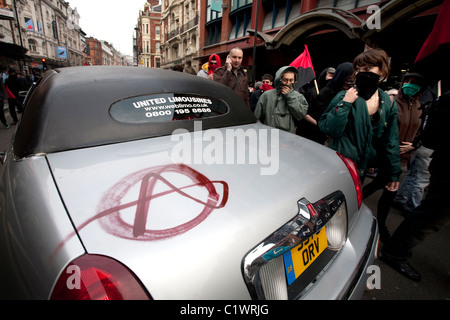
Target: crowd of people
pixel 388 134
pixel 398 134
pixel 11 84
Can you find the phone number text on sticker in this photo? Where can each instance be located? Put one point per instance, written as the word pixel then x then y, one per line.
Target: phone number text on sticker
pixel 193 110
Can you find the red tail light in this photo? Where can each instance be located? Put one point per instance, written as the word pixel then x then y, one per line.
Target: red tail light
pixel 94 277
pixel 351 166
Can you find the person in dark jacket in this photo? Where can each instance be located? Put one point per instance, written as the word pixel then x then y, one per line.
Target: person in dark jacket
pixel 409 111
pixel 408 121
pixel 15 85
pixel 434 211
pixel 307 127
pixel 3 98
pixel 267 82
pixel 362 124
pixel 233 75
pixel 417 178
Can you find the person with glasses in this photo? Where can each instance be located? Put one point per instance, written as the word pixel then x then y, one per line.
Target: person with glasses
pixel 362 125
pixel 281 107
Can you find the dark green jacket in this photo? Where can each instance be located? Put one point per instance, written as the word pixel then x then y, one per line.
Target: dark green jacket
pixel 278 110
pixel 368 143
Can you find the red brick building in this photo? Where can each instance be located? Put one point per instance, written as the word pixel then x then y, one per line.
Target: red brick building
pixel 94 51
pixel 148 35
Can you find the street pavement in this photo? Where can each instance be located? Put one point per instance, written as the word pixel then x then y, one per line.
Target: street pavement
pixel 431 258
pixel 5 134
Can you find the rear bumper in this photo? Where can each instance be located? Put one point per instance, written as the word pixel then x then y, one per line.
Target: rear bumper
pixel 346 276
pixel 359 284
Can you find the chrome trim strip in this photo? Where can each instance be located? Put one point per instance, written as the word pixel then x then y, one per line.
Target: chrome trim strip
pixel 3 157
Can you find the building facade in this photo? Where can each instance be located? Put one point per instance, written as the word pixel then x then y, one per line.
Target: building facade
pixel 102 53
pixel 148 36
pixel 274 33
pixel 47 29
pixel 181 34
pixel 40 34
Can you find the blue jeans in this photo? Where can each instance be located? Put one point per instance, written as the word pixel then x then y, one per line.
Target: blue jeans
pixel 410 192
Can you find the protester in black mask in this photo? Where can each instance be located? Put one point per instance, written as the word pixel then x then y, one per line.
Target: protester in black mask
pixel 342 80
pixel 367 83
pixel 362 122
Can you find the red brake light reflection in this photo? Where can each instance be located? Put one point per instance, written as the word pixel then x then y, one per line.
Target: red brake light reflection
pixel 94 277
pixel 351 166
pixel 311 209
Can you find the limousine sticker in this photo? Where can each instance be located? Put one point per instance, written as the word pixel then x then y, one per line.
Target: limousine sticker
pixel 166 107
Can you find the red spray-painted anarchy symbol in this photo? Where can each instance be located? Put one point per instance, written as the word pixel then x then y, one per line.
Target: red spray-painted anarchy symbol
pixel 110 206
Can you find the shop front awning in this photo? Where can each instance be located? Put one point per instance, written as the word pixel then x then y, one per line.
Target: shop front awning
pixel 12 51
pixel 352 25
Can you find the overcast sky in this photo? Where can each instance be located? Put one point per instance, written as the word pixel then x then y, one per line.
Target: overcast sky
pixel 110 20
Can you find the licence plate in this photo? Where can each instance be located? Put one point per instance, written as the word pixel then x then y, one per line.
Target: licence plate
pixel 298 259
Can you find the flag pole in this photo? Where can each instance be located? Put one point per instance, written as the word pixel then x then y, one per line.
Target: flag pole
pixel 255 37
pixel 317 87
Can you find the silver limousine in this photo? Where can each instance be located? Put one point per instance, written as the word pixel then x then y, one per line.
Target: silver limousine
pixel 130 183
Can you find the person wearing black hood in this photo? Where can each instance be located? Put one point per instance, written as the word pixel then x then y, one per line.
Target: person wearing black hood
pixel 342 80
pixel 325 77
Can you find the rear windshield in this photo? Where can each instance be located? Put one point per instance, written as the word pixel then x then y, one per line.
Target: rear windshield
pixel 129 104
pixel 167 107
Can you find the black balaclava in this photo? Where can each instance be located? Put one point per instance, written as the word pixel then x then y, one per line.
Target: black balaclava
pixel 367 84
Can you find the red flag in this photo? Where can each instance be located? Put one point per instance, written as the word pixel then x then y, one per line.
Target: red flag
pixel 305 67
pixel 432 59
pixel 440 33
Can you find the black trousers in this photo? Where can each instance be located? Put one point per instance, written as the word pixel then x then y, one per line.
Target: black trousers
pixel 12 111
pixel 430 216
pixel 13 103
pixel 385 202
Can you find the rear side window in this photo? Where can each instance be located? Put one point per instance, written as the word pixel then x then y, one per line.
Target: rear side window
pixel 166 107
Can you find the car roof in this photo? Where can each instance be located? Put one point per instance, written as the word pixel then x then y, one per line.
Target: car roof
pixel 70 108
